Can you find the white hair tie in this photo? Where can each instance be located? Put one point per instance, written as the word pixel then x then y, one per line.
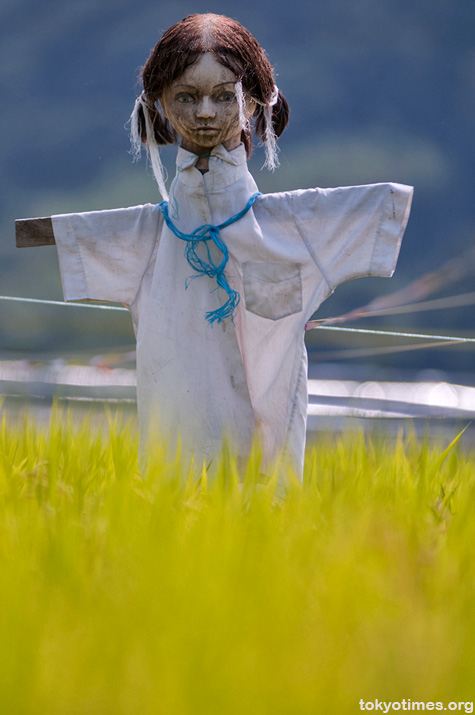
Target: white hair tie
pixel 274 96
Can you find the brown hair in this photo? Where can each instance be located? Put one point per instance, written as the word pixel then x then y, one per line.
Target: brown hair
pixel 234 47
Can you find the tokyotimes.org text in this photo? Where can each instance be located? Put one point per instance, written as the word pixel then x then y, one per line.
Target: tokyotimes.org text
pixel 414 706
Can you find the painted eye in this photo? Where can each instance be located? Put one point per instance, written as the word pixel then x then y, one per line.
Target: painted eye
pixel 184 98
pixel 226 97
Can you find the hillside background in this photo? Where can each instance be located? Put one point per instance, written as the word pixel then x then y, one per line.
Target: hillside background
pixel 378 89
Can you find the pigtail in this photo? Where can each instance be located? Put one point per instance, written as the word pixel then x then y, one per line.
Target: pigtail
pixel 270 139
pixel 271 119
pixel 244 123
pixel 143 129
pixel 280 114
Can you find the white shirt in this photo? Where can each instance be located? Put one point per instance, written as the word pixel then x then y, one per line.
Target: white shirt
pixel 244 377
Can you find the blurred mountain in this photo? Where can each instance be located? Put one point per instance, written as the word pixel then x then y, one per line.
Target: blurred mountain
pixel 379 90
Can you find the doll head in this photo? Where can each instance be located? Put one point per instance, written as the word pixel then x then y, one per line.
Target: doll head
pixel 253 94
pixel 203 107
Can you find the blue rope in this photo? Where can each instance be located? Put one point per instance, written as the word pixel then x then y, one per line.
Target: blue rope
pixel 204 234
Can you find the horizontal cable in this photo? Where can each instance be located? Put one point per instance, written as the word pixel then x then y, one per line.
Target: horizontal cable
pixel 312 325
pixel 62 303
pixel 391 333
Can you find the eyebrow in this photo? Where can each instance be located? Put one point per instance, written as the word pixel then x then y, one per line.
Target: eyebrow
pixel 192 86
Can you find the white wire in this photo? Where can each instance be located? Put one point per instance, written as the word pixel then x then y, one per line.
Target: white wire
pixel 61 303
pixel 364 331
pixel 367 331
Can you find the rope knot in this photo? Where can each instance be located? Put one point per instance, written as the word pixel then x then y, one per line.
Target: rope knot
pixel 206 266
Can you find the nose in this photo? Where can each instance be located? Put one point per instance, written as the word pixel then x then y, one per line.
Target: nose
pixel 205 109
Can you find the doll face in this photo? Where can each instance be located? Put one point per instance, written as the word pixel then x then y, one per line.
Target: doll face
pixel 202 108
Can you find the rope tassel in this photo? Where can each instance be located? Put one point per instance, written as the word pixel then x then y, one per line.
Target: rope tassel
pixel 204 234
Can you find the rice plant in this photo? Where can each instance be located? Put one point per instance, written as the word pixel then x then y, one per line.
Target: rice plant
pixel 184 593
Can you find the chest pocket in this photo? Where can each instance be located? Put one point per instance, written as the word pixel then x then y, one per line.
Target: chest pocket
pixel 272 290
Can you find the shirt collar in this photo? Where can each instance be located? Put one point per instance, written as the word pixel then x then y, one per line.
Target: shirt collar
pixel 185 159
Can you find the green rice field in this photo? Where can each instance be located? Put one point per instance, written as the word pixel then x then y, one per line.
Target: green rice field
pixel 185 594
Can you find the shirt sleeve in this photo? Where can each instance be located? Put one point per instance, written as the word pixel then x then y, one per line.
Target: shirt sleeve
pixel 103 255
pixel 355 230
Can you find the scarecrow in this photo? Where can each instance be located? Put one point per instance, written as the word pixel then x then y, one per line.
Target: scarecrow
pixel 219 279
